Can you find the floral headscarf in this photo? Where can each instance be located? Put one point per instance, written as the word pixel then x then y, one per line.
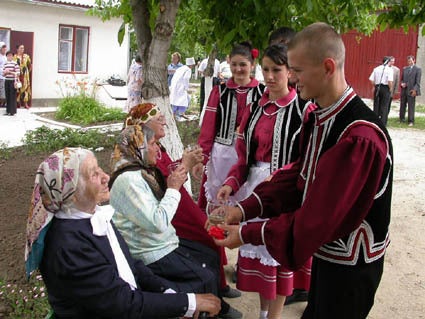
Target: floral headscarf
pixel 128 156
pixel 141 114
pixel 55 183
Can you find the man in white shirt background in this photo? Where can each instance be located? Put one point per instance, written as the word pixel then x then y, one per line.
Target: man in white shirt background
pixel 382 78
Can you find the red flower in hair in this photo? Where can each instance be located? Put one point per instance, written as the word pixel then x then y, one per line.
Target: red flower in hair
pixel 255 53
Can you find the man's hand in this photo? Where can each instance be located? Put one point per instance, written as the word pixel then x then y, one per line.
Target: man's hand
pixel 232 239
pixel 413 93
pixel 233 215
pixel 207 303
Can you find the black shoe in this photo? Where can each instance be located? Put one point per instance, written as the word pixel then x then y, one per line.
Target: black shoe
pixel 232 313
pixel 6 114
pixel 298 295
pixel 229 292
pixel 235 276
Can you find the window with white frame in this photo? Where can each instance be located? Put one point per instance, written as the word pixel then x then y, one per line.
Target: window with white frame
pixel 73 49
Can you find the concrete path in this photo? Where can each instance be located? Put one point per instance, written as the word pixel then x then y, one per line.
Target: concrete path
pixel 13 128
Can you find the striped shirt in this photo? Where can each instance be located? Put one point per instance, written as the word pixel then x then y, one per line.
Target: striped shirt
pixel 11 66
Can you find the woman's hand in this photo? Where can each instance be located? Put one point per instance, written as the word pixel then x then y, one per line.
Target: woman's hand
pixel 191 158
pixel 224 192
pixel 197 171
pixel 177 178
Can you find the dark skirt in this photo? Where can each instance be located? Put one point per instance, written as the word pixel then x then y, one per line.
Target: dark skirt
pixel 184 273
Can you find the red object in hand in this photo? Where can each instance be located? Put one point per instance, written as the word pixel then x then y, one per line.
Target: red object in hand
pixel 216 232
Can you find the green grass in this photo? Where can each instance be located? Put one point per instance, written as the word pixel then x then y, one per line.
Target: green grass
pixel 5 151
pixel 420 108
pixel 394 122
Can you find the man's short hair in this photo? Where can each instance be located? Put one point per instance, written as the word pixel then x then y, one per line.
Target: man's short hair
pixel 320 41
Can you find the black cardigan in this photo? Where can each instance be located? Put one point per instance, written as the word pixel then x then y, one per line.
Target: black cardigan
pixel 82 278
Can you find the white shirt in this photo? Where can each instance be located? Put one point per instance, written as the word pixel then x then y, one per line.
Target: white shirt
pixel 3 60
pixel 225 70
pixel 382 75
pixel 179 86
pixel 204 64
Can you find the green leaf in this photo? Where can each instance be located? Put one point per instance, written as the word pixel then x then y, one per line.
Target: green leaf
pixel 121 33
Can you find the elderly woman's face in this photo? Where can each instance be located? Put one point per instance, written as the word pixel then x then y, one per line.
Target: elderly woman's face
pixel 96 181
pixel 153 150
pixel 157 124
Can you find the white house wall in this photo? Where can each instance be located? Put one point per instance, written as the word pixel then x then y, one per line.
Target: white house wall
pixel 106 57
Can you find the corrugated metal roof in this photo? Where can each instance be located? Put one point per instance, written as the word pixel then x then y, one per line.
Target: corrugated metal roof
pixel 82 3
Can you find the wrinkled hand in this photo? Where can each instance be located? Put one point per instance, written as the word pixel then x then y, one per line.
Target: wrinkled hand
pixel 233 215
pixel 224 192
pixel 197 171
pixel 207 303
pixel 177 178
pixel 232 239
pixel 413 93
pixel 191 158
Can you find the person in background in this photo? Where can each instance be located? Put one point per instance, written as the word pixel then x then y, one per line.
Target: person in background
pixel 281 35
pixel 179 95
pixel 3 59
pixel 220 127
pixel 189 220
pixel 201 70
pixel 24 62
pixel 396 82
pixel 11 73
pixel 225 72
pixel 134 84
pixel 382 78
pixel 173 66
pixel 410 88
pixel 269 140
pixel 84 261
pixel 338 191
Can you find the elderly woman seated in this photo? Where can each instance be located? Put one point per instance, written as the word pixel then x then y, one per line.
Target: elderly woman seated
pixel 84 261
pixel 145 204
pixel 188 220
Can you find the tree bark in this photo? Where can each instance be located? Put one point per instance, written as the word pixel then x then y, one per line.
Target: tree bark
pixel 154 45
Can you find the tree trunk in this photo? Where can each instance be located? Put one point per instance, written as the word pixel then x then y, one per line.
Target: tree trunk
pixel 153 49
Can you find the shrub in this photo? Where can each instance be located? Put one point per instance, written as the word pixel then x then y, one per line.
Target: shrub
pixel 85 110
pixel 79 105
pixel 44 139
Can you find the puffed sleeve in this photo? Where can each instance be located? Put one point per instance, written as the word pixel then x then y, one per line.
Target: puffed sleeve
pixel 208 128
